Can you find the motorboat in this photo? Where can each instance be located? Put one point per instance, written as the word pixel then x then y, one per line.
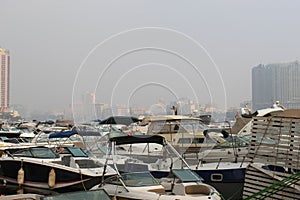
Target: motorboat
pixel 53 139
pixel 59 138
pixel 9 131
pixel 227 177
pixel 183 132
pixel 243 122
pixel 232 145
pixel 58 169
pixel 136 182
pixel 232 148
pixel 142 185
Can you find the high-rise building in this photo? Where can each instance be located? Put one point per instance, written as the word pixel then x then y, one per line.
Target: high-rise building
pixel 276 82
pixel 4 80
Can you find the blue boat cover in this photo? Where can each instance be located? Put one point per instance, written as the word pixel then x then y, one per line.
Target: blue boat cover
pixel 63 134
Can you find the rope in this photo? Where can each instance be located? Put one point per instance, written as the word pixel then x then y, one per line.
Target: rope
pixel 82 181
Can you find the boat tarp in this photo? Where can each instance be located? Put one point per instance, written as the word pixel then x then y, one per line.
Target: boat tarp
pixel 138 139
pixel 126 120
pixel 63 134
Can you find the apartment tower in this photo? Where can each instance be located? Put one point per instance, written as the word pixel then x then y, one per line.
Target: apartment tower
pixel 4 80
pixel 276 82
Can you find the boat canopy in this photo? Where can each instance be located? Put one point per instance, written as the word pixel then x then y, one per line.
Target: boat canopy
pixel 63 134
pixel 126 120
pixel 138 139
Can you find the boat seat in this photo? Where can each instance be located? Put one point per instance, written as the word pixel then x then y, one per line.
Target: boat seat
pixel 197 189
pixel 166 183
pixel 182 189
pixel 73 163
pixel 158 190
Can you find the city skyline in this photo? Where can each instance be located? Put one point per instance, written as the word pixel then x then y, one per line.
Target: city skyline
pixel 200 50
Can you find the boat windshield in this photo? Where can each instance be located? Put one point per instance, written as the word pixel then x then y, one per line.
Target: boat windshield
pixel 77 152
pixel 38 152
pixel 186 175
pixel 91 195
pixel 193 125
pixel 232 141
pixel 138 179
pixel 179 126
pixel 259 139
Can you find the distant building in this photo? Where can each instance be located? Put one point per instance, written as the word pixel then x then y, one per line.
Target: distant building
pixel 4 80
pixel 121 110
pixel 184 106
pixel 276 82
pixel 136 111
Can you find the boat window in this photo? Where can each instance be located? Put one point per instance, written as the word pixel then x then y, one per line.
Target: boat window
pixel 186 175
pixel 43 153
pixel 164 127
pixel 36 153
pixel 22 153
pixel 3 138
pixel 139 179
pixel 184 140
pixel 77 152
pixel 14 129
pixel 242 143
pixel 12 140
pixel 198 140
pixel 246 138
pixel 190 128
pixel 225 144
pixel 193 125
pixel 113 180
pixel 88 164
pixel 259 139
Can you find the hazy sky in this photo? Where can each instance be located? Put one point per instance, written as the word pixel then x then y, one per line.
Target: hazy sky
pixel 136 52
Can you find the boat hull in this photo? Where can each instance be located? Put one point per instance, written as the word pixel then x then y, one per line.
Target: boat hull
pixel 37 175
